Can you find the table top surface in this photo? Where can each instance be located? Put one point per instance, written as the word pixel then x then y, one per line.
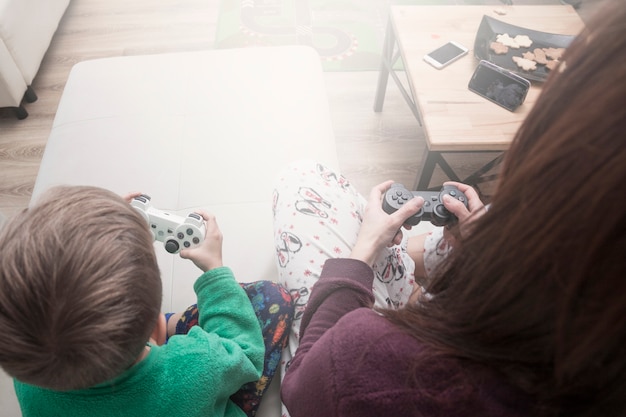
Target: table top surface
pixel 454 118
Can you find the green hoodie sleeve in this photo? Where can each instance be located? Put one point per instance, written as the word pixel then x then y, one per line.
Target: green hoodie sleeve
pixel 225 310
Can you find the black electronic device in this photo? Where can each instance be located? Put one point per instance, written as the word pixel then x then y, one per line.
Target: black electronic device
pixel 499 85
pixel 433 208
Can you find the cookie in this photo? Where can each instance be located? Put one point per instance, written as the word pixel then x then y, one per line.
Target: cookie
pixel 529 55
pixel 554 53
pixel 523 41
pixel 552 65
pixel 525 64
pixel 506 40
pixel 498 48
pixel 540 56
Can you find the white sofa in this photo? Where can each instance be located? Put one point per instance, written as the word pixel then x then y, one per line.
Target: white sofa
pixel 26 29
pixel 208 129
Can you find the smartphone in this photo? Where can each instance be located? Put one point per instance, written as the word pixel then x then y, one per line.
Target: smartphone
pixel 446 54
pixel 499 85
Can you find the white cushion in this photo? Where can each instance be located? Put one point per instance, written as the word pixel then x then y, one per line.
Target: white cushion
pixel 12 84
pixel 208 129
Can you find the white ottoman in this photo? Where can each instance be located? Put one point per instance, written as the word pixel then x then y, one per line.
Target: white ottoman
pixel 208 129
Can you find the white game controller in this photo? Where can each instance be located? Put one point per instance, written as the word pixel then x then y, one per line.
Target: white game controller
pixel 176 232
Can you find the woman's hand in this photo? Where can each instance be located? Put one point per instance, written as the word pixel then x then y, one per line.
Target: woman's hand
pixel 208 255
pixel 466 215
pixel 380 229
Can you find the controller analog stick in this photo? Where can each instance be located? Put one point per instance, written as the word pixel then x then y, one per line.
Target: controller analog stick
pixel 441 210
pixel 171 246
pixel 440 215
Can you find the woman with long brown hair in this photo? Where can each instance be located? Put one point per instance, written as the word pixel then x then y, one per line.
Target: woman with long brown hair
pixel 526 316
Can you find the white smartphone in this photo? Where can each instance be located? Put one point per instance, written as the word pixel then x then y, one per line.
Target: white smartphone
pixel 445 54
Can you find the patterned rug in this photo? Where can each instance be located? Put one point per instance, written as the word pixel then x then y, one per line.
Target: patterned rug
pixel 348 34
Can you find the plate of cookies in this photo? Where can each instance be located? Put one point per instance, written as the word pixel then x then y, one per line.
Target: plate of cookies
pixel 529 53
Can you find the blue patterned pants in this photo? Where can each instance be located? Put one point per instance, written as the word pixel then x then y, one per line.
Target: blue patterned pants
pixel 274 310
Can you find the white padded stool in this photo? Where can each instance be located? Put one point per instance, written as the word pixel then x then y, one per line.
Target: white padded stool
pixel 208 129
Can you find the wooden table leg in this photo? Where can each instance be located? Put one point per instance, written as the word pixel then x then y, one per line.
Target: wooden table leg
pixel 425 175
pixel 434 159
pixel 385 67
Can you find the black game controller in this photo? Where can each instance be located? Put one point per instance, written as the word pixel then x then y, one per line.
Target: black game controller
pixel 433 208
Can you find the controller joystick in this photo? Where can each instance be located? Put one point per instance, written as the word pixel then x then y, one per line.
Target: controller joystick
pixel 433 209
pixel 176 232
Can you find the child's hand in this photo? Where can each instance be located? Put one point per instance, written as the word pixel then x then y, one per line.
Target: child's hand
pixel 129 197
pixel 208 255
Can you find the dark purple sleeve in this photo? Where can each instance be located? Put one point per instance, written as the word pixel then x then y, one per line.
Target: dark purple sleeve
pixel 352 362
pixel 344 285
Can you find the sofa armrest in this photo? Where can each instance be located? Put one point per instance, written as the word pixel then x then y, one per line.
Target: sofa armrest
pixel 27 27
pixel 12 84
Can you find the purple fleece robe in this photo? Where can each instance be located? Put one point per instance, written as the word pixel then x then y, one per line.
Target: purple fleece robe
pixel 353 362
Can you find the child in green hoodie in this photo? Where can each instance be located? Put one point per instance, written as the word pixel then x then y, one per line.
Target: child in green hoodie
pixel 81 322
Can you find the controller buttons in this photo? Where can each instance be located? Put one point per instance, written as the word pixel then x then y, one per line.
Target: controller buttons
pixel 180 235
pixel 189 231
pixel 186 244
pixel 195 240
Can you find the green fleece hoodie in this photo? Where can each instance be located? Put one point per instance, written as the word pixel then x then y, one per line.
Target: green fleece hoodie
pixel 192 375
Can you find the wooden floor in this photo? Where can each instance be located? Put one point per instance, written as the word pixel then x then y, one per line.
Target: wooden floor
pixel 372 146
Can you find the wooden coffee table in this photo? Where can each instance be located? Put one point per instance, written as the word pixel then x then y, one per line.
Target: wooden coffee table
pixel 454 119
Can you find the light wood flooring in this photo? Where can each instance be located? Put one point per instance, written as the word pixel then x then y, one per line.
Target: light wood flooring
pixel 372 147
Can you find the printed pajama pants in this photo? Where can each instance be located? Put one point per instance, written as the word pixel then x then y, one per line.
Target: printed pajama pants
pixel 274 310
pixel 317 216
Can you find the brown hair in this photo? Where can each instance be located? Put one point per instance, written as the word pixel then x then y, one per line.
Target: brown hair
pixel 80 289
pixel 538 290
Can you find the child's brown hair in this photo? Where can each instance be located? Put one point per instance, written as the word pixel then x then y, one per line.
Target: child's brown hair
pixel 80 289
